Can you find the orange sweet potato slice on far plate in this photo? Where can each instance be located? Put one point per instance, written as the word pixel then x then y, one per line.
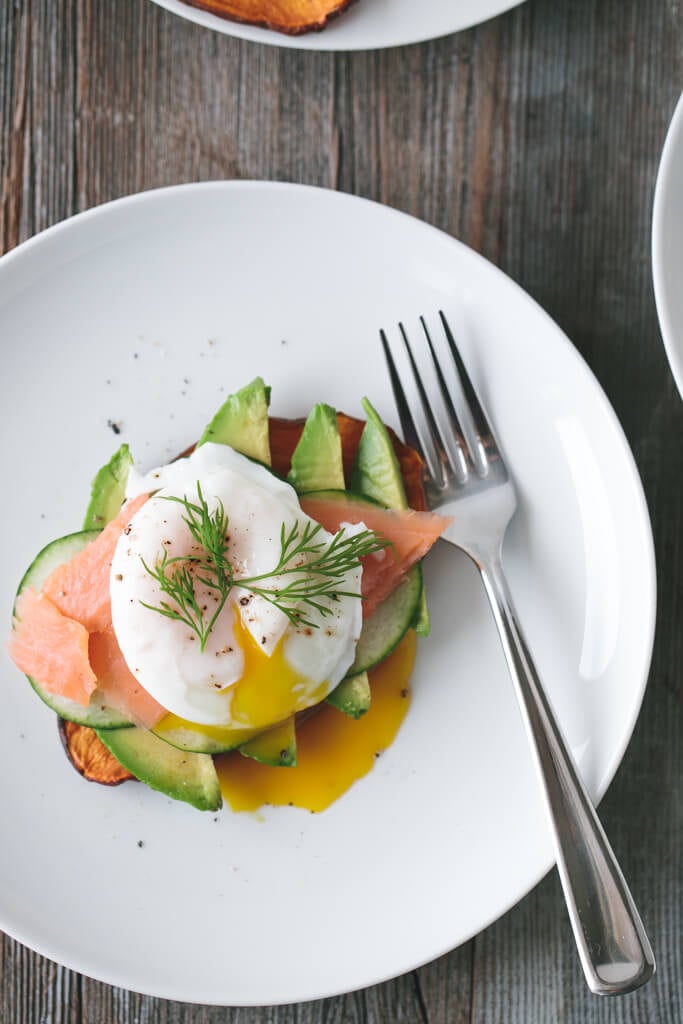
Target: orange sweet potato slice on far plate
pixel 89 756
pixel 292 17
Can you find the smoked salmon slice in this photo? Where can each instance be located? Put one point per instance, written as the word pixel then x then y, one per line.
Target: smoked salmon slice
pixel 63 636
pixel 117 683
pixel 51 648
pixel 80 587
pixel 411 535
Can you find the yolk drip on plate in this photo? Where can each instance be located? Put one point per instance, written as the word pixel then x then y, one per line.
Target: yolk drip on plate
pixel 333 751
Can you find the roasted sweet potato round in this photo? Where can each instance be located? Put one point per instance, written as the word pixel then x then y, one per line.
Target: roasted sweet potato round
pixel 89 756
pixel 293 17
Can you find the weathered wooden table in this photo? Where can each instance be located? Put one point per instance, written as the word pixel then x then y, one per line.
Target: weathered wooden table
pixel 534 138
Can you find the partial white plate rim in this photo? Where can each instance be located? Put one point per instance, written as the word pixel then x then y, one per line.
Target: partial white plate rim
pixel 341 36
pixel 669 181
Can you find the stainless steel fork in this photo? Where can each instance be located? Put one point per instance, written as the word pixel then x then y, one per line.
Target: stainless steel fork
pixel 469 479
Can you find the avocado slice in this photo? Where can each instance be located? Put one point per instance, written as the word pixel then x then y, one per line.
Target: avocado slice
pixel 181 775
pixel 317 465
pixel 108 490
pixel 376 472
pixel 242 422
pixel 352 695
pixel 276 747
pixel 317 459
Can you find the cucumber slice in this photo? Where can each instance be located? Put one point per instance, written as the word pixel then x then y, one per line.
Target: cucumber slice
pixel 183 776
pixel 201 739
pixel 352 696
pixel 389 623
pixel 421 622
pixel 54 554
pixel 336 494
pixel 98 714
pixel 276 747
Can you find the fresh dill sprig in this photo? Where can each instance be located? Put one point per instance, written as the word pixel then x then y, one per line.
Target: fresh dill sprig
pixel 315 569
pixel 211 567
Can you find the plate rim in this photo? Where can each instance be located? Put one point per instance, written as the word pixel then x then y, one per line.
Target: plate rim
pixel 663 186
pixel 320 41
pixel 648 552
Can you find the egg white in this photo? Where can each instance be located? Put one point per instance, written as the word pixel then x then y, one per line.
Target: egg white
pixel 164 654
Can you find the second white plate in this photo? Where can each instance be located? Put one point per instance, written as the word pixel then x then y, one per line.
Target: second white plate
pixel 143 314
pixel 367 25
pixel 667 244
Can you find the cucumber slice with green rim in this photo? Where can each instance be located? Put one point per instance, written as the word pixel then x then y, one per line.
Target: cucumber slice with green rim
pixel 352 696
pixel 98 714
pixel 181 775
pixel 53 554
pixel 421 622
pixel 386 627
pixel 336 494
pixel 202 739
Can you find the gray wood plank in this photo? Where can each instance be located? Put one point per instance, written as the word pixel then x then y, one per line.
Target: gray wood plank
pixel 585 196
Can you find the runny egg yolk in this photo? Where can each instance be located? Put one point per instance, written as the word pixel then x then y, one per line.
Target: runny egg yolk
pixel 333 751
pixel 268 692
pixel 270 689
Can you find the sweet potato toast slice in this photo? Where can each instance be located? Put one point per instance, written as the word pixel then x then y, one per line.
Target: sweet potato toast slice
pixel 85 750
pixel 89 756
pixel 293 17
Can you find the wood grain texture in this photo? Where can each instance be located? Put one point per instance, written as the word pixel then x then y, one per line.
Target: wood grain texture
pixel 535 138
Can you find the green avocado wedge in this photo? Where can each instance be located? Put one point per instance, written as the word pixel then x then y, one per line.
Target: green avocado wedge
pixel 108 490
pixel 376 472
pixel 352 696
pixel 181 775
pixel 317 466
pixel 275 747
pixel 242 422
pixel 317 459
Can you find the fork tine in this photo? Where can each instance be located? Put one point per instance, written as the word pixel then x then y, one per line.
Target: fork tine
pixel 486 441
pixel 455 444
pixel 417 419
pixel 410 432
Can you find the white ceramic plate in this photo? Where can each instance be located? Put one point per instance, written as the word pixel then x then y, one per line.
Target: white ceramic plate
pixel 145 313
pixel 667 244
pixel 367 25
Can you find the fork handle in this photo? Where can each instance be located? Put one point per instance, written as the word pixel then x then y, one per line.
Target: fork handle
pixel 615 953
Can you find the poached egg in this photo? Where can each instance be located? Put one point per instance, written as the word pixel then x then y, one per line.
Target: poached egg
pixel 257 667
